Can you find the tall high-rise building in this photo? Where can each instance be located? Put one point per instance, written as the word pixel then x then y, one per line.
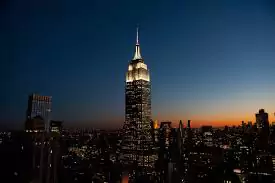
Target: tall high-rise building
pixel 262 120
pixel 137 144
pixel 155 131
pixel 189 124
pixel 180 138
pixel 165 134
pixel 263 129
pixel 207 133
pixel 39 106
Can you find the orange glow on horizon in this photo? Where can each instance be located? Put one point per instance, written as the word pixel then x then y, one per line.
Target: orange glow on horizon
pixel 219 122
pixel 216 116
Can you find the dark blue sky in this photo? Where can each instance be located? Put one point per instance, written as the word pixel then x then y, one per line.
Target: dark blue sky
pixel 209 60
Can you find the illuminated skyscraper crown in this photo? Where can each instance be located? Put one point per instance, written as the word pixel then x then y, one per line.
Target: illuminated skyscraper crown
pixel 137 69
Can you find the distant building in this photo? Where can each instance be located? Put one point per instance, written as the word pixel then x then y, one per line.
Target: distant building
pixel 155 131
pixel 189 124
pixel 164 154
pixel 165 134
pixel 207 133
pixel 263 129
pixel 56 126
pixel 249 124
pixel 206 129
pixel 39 106
pixel 262 120
pixel 181 138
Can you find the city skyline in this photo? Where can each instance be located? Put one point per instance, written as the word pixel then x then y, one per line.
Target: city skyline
pixel 212 67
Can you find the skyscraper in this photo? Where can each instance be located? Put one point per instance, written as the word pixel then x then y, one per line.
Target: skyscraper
pixel 165 134
pixel 189 124
pixel 44 139
pixel 263 128
pixel 39 106
pixel 137 143
pixel 262 120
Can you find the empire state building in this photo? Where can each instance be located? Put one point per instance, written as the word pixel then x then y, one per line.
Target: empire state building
pixel 137 144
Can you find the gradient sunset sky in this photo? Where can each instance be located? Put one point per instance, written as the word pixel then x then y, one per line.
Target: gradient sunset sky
pixel 210 61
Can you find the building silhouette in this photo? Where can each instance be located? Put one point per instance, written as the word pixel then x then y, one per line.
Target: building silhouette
pixel 263 129
pixel 189 124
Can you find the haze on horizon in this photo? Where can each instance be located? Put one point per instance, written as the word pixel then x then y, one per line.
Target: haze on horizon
pixel 210 61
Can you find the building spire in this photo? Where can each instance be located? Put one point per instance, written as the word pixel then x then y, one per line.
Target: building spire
pixel 137 55
pixel 137 43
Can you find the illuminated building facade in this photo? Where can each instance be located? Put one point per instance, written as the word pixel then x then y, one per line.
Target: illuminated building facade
pixel 262 120
pixel 155 131
pixel 165 134
pixel 137 145
pixel 56 126
pixel 207 133
pixel 155 124
pixel 39 106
